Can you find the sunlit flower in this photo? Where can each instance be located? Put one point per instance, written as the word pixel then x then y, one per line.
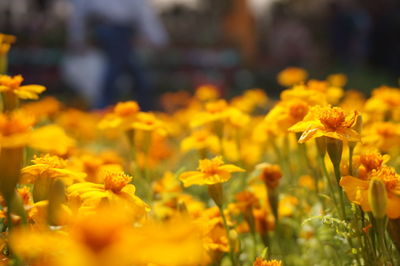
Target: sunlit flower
pixel 10 84
pixel 50 167
pixel 327 121
pixel 210 172
pixel 357 189
pixel 115 191
pixel 122 116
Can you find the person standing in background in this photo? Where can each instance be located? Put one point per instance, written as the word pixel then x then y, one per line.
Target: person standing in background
pixel 116 26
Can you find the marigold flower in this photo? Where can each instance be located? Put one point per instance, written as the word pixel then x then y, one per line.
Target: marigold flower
pixel 122 116
pixel 199 140
pixel 262 262
pixel 271 175
pixel 13 85
pixel 210 172
pixel 49 166
pixel 338 80
pixel 357 190
pixel 327 121
pixel 292 76
pixel 207 92
pixel 5 42
pixel 115 191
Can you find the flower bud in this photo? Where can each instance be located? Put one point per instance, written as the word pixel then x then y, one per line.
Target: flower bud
pixel 377 197
pixel 216 193
pixel 334 148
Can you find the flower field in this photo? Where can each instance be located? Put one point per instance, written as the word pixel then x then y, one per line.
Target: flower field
pixel 307 179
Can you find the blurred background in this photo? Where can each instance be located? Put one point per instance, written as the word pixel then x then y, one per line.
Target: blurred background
pixel 176 45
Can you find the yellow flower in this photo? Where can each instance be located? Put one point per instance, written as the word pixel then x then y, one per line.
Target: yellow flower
pixel 43 108
pixel 52 167
pixel 215 111
pixel 333 93
pixel 250 100
pixel 5 42
pixel 210 172
pixel 262 262
pixel 327 121
pixel 115 191
pixel 199 140
pixel 357 189
pixel 15 129
pixel 46 248
pixel 176 242
pixel 337 80
pixel 286 113
pixel 13 85
pixel 149 122
pixel 292 76
pixel 305 94
pixel 50 138
pixel 207 92
pixel 167 184
pixel 122 116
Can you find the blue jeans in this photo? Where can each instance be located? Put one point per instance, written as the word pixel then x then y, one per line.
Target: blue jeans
pixel 116 43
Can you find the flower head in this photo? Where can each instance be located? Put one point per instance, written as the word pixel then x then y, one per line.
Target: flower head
pixel 210 172
pixel 327 121
pixel 292 76
pixel 357 189
pixel 13 85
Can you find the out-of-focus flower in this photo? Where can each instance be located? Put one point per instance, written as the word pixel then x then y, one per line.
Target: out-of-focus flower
pixel 337 80
pixel 5 42
pixel 292 76
pixel 116 191
pixel 210 172
pixel 201 140
pixel 207 92
pixel 263 262
pixel 50 167
pixel 123 115
pixel 271 175
pixel 43 108
pixel 12 85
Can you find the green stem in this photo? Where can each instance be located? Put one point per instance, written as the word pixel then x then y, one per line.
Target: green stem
pixel 231 251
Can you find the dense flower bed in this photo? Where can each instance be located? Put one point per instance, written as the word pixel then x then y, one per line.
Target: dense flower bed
pixel 309 179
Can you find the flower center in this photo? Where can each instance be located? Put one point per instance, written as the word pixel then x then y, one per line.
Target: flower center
pixel 116 181
pixel 333 118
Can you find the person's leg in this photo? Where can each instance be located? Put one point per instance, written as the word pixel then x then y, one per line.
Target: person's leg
pixel 143 90
pixel 115 41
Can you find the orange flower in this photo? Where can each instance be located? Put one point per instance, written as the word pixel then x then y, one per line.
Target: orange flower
pixel 357 190
pixel 210 172
pixel 13 85
pixel 327 121
pixel 262 262
pixel 5 42
pixel 292 76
